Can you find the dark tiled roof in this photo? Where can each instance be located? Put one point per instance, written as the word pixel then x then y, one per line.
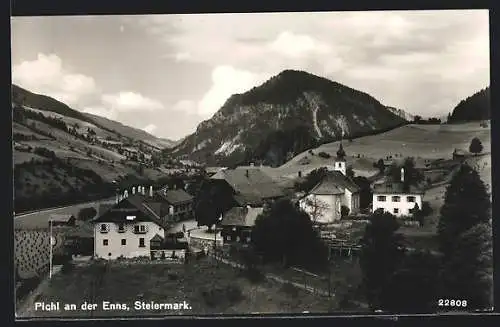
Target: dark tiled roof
pixel 175 196
pixel 141 203
pixel 335 183
pixel 251 182
pixel 241 216
pixel 104 208
pixel 395 188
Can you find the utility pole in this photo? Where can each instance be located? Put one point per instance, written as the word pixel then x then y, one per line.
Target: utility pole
pixel 51 241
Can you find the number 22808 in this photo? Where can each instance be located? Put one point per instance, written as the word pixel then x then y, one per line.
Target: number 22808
pixel 452 303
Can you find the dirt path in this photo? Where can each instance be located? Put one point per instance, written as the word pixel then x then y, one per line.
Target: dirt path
pixel 26 308
pixel 280 280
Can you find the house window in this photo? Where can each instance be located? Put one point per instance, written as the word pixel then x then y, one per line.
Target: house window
pixel 104 228
pixel 396 198
pixel 141 243
pixel 121 228
pixel 396 210
pixel 105 242
pixel 140 229
pixel 410 198
pixel 124 241
pixel 381 198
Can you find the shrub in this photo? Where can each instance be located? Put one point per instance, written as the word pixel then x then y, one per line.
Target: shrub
pixel 344 211
pixel 324 155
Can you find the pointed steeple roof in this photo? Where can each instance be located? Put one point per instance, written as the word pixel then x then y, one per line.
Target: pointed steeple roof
pixel 341 153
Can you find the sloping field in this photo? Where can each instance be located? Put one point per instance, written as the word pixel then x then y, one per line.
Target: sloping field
pixel 40 219
pixel 428 141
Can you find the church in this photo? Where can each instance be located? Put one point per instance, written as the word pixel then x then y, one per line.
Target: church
pixel 336 195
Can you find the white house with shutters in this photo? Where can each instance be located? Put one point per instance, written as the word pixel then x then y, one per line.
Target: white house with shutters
pixel 131 228
pixel 393 197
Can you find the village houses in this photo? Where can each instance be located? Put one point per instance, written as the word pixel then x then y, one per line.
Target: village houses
pixel 396 198
pixel 177 204
pixel 253 189
pixel 133 227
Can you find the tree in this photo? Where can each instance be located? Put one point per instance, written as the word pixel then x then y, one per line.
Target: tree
pixel 412 176
pixel 87 213
pixel 466 204
pixel 315 207
pixel 311 180
pixel 285 234
pixel 350 172
pixel 468 272
pixel 475 146
pixel 417 275
pixel 381 255
pixel 215 198
pixel 380 165
pixel 417 119
pixel 365 192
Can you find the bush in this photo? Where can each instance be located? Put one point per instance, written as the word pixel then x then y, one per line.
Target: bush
pixel 324 155
pixel 344 211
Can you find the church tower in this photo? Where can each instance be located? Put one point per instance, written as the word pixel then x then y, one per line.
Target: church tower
pixel 340 164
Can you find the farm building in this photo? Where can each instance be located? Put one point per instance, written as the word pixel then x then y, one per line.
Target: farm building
pixel 128 228
pixel 325 201
pixel 62 220
pixel 238 222
pixel 177 204
pixel 394 197
pixel 250 183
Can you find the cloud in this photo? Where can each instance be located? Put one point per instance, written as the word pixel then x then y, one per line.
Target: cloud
pixel 226 81
pixel 150 128
pixel 101 111
pixel 296 45
pixel 130 101
pixel 47 75
pixel 376 52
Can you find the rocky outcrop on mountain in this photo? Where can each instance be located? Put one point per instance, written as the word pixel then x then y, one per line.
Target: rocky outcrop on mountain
pixel 313 108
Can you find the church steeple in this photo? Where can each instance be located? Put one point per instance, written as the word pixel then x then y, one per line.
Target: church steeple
pixel 340 163
pixel 341 153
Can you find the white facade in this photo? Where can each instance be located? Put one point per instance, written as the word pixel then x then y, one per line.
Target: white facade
pixel 112 242
pixel 397 204
pixel 339 166
pixel 322 208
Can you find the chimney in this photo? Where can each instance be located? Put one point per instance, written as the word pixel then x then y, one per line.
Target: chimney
pixel 151 190
pixel 133 189
pixel 402 174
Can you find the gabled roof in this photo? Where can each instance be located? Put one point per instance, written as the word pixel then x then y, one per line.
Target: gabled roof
pixel 157 238
pixel 61 217
pixel 334 183
pixel 395 188
pixel 241 216
pixel 142 204
pixel 250 182
pixel 175 196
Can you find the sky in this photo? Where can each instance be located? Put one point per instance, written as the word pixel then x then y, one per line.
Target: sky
pixel 167 73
